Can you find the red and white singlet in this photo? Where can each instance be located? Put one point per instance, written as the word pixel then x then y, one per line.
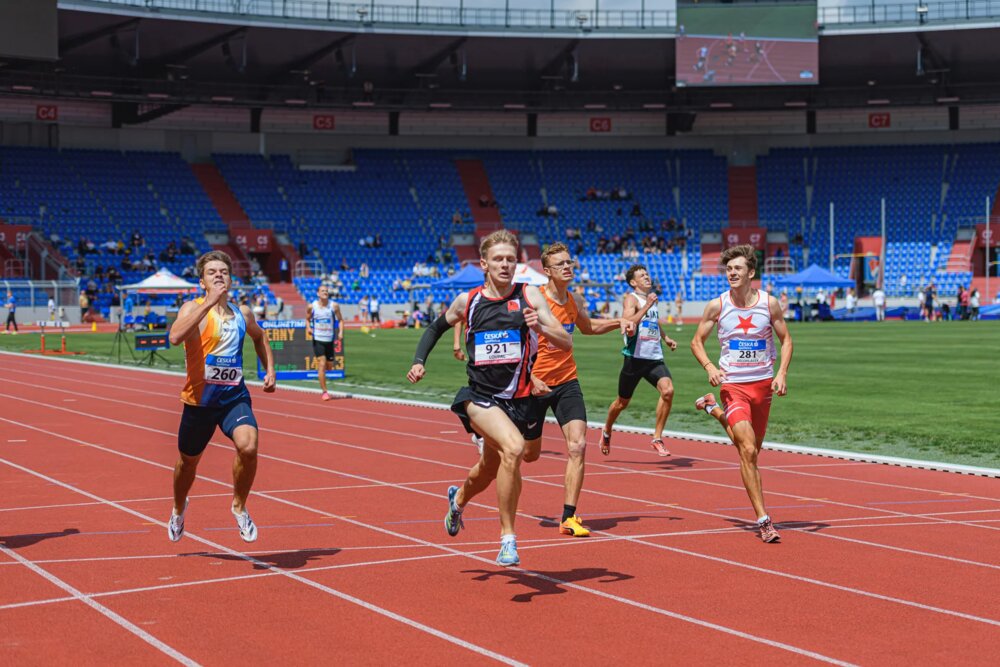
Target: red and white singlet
pixel 746 340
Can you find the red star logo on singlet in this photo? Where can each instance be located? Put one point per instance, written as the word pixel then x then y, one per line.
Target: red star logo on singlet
pixel 745 323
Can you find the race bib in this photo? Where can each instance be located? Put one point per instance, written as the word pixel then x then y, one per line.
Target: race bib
pixel 648 345
pixel 497 347
pixel 747 352
pixel 223 370
pixel 323 329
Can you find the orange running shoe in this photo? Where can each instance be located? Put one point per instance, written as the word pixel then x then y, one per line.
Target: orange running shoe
pixel 657 444
pixel 767 531
pixel 574 526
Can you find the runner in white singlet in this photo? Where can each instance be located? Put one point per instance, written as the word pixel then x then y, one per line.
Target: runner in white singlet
pixel 747 321
pixel 323 323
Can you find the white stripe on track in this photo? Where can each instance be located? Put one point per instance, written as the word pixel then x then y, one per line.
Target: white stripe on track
pixel 267 566
pixel 609 596
pixel 116 618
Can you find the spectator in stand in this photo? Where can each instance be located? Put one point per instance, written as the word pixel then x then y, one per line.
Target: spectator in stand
pixel 377 241
pixel 364 271
pixel 344 266
pixel 137 240
pixel 456 218
pixel 187 246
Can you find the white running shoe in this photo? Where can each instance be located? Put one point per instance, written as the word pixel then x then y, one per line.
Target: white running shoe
pixel 248 529
pixel 175 527
pixel 478 442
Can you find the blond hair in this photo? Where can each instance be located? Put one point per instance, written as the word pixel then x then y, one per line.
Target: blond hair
pixel 746 251
pixel 500 236
pixel 553 249
pixel 213 256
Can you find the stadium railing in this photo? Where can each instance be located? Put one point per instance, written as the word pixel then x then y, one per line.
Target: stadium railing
pixel 545 18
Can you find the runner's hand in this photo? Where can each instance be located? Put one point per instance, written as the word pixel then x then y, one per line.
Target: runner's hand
pixel 651 299
pixel 539 388
pixel 670 342
pixel 778 385
pixel 531 319
pixel 416 373
pixel 215 294
pixel 270 383
pixel 458 354
pixel 627 326
pixel 715 376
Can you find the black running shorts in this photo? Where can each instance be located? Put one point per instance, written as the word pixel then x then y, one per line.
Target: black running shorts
pixel 633 370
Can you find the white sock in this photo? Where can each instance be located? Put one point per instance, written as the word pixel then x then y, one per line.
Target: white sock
pixel 763 519
pixel 709 408
pixel 509 537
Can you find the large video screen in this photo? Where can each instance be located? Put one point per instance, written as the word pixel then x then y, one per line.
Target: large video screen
pixel 752 44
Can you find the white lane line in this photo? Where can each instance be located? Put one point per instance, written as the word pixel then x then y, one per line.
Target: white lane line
pixel 892 513
pixel 116 618
pixel 609 596
pixel 268 566
pixel 143 375
pixel 651 544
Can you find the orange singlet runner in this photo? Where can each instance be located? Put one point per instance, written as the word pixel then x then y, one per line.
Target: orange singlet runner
pixel 554 366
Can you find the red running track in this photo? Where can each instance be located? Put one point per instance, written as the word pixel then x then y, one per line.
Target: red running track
pixel 877 565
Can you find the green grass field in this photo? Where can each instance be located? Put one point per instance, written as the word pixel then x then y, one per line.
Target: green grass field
pixel 908 389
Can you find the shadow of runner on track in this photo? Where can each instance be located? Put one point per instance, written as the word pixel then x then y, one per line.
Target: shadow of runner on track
pixel 665 463
pixel 20 541
pixel 285 560
pixel 607 522
pixel 538 586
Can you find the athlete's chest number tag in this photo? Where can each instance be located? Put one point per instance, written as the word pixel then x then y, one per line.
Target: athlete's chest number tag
pixel 747 352
pixel 322 327
pixel 497 347
pixel 223 370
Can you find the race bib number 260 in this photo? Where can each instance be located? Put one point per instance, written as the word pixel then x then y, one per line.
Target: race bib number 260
pixel 497 347
pixel 223 370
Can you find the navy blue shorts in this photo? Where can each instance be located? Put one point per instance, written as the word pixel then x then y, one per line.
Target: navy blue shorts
pixel 198 424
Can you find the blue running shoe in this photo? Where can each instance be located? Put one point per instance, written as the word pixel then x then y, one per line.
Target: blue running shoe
pixel 453 519
pixel 508 554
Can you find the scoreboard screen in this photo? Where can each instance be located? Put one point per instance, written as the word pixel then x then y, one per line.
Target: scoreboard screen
pixel 293 352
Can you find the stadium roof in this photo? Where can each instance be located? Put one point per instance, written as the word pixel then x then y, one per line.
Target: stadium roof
pixel 189 61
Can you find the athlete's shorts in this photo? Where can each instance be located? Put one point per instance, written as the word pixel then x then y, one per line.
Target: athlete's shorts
pixel 523 412
pixel 198 424
pixel 323 349
pixel 566 401
pixel 633 370
pixel 748 401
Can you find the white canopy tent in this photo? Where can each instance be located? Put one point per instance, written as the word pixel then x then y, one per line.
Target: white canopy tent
pixel 162 282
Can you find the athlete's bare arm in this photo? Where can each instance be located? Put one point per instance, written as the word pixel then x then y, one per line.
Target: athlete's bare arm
pixel 780 384
pixel 261 347
pixel 631 310
pixel 453 315
pixel 541 320
pixel 708 320
pixel 309 320
pixel 456 348
pixel 340 318
pixel 191 314
pixel 594 326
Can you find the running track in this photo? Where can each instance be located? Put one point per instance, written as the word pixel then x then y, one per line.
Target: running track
pixel 878 564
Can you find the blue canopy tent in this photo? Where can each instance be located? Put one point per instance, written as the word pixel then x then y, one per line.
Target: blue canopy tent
pixel 814 276
pixel 470 276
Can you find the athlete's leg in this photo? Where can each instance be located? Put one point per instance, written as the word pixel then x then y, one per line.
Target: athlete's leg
pixel 576 449
pixel 320 364
pixel 502 435
pixel 614 410
pixel 244 465
pixel 185 471
pixel 481 475
pixel 748 447
pixel 666 388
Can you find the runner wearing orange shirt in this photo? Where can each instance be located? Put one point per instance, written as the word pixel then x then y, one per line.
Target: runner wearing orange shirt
pixel 555 383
